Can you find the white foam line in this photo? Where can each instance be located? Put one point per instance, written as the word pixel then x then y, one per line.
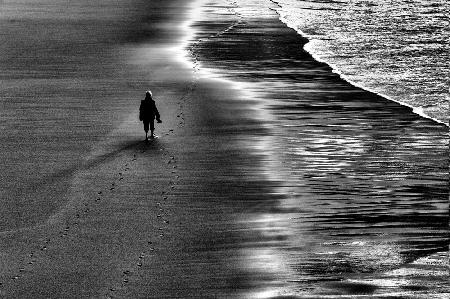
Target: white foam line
pixel 308 48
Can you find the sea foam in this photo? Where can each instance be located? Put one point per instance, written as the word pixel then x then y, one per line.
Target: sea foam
pixel 396 49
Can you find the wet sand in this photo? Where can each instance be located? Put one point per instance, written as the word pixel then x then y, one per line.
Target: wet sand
pixel 362 181
pixel 247 192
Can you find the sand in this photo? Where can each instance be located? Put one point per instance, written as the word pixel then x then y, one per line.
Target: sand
pixel 202 211
pixel 125 218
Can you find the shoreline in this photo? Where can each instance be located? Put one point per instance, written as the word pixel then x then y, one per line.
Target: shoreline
pixel 416 110
pixel 224 62
pixel 245 193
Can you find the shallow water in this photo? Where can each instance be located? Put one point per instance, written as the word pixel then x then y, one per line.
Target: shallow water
pixel 361 181
pixel 395 48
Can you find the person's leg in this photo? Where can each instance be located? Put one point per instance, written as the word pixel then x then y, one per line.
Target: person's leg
pixel 152 128
pixel 146 129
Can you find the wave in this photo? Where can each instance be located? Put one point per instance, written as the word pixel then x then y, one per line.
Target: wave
pixel 315 53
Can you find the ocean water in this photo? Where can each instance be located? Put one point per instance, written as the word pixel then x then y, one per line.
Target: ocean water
pixel 397 49
pixel 361 182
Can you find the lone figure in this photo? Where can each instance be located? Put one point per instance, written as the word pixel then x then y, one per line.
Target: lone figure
pixel 147 114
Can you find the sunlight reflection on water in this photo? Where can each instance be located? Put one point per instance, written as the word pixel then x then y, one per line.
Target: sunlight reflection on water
pixel 360 182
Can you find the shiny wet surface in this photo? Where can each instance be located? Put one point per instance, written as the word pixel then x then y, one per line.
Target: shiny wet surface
pixel 362 182
pixel 294 184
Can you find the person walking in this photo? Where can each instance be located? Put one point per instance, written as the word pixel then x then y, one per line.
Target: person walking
pixel 147 114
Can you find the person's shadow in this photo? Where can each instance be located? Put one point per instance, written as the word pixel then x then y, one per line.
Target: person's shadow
pixel 135 146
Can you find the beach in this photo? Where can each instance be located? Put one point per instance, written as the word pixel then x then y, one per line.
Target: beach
pixel 271 177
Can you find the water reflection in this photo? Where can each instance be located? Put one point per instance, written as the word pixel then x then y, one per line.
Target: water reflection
pixel 361 182
pixel 359 201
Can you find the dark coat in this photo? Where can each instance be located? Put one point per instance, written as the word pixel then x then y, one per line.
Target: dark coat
pixel 148 110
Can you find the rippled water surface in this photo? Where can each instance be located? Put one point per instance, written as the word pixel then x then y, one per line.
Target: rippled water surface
pixel 361 180
pixel 395 48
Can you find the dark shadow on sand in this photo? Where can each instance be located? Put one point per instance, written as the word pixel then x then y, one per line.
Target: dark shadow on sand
pixel 35 213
